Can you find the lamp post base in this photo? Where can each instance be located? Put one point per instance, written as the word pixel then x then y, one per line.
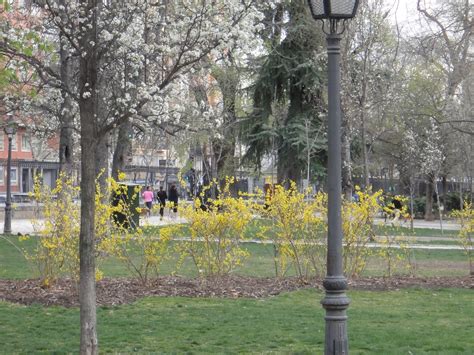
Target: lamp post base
pixel 336 303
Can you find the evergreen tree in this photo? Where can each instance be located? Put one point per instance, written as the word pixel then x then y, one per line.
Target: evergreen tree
pixel 288 103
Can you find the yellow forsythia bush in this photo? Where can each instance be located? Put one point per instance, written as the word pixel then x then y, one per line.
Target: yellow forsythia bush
pixel 57 250
pixel 358 229
pixel 213 235
pixel 465 235
pixel 394 248
pixel 57 246
pixel 297 229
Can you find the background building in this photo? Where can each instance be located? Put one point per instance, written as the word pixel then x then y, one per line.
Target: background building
pixel 31 156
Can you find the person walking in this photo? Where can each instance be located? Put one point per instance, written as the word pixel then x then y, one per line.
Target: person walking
pixel 148 196
pixel 397 209
pixel 173 198
pixel 161 196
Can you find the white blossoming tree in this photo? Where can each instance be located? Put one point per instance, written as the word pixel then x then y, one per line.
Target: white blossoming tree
pixel 127 61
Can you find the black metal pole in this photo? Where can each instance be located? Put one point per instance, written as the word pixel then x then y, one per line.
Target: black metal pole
pixel 7 226
pixel 335 301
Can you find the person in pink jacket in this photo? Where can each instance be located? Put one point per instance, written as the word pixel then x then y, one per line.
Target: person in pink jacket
pixel 148 196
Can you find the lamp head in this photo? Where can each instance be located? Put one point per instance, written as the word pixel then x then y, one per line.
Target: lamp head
pixel 333 9
pixel 10 127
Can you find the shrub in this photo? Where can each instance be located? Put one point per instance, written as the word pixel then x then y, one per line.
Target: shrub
pixel 466 233
pixel 297 230
pixel 419 204
pixel 57 246
pixel 122 238
pixel 213 237
pixel 452 201
pixel 357 228
pixel 57 251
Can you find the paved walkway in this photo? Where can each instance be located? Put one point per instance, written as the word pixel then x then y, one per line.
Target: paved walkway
pixel 25 226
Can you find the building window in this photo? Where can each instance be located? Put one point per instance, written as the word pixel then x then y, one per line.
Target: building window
pixel 14 176
pixel 2 141
pixel 26 143
pixel 2 175
pixel 14 146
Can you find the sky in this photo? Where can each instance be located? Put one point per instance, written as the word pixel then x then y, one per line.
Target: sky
pixel 406 10
pixel 407 15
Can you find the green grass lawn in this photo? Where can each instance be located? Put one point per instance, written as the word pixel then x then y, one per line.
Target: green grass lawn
pixel 379 230
pixel 420 232
pixel 396 322
pixel 391 322
pixel 259 264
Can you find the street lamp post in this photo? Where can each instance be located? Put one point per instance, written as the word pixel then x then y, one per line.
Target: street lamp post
pixel 10 130
pixel 335 301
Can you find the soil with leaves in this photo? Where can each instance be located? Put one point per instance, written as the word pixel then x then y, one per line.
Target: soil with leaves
pixel 117 291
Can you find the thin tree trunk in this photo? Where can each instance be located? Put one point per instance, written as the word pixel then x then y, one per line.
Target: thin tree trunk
pixel 66 147
pixel 168 157
pixel 429 199
pixel 66 142
pixel 362 102
pixel 88 76
pixel 365 152
pixel 102 161
pixel 444 184
pixel 412 204
pixel 213 172
pixel 122 149
pixel 440 209
pixel 347 184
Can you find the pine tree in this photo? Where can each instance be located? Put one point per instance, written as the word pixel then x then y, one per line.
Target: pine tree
pixel 288 93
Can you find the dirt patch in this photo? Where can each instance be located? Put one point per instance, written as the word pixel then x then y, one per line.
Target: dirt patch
pixel 117 291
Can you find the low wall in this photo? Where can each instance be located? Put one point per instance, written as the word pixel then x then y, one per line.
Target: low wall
pixel 22 211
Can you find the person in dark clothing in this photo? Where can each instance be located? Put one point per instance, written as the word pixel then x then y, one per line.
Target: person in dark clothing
pixel 397 204
pixel 397 208
pixel 173 198
pixel 161 196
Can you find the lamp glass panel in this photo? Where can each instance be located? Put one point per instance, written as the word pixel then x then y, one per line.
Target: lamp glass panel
pixel 9 130
pixel 342 7
pixel 317 7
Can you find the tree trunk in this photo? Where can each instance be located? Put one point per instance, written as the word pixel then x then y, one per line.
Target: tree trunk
pixel 66 142
pixel 213 171
pixel 362 118
pixel 347 185
pixel 429 216
pixel 88 75
pixel 167 161
pixel 87 292
pixel 444 182
pixel 122 149
pixel 412 204
pixel 224 157
pixel 66 146
pixel 438 202
pixel 365 150
pixel 102 162
pixel 308 155
pixel 228 80
pixel 287 169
